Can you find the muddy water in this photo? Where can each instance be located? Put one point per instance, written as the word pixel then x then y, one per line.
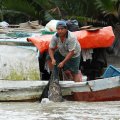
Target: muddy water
pixel 60 111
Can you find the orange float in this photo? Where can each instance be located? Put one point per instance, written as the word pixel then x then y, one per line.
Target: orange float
pixel 88 39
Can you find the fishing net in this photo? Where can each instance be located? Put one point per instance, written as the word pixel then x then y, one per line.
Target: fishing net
pixel 55 93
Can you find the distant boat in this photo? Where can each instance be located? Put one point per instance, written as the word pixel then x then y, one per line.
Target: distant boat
pixel 107 89
pixel 15 43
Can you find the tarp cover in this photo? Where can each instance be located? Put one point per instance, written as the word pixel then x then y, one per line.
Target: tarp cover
pixel 103 37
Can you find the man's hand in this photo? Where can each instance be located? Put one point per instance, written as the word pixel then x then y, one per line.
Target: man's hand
pixel 61 64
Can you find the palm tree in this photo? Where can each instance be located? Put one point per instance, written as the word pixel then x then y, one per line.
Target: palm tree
pixel 33 9
pixel 109 11
pixel 22 6
pixel 51 9
pixel 82 10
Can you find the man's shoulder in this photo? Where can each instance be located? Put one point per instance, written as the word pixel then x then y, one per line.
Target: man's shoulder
pixel 55 36
pixel 71 35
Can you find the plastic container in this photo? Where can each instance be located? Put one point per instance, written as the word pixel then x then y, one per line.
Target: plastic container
pixel 111 72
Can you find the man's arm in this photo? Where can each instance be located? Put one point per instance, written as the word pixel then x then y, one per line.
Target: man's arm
pixel 51 53
pixel 69 55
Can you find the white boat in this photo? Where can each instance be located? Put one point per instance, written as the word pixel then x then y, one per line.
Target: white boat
pixel 95 90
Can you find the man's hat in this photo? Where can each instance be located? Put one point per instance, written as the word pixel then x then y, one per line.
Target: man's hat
pixel 61 24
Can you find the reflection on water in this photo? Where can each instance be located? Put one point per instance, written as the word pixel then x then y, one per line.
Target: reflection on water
pixel 60 111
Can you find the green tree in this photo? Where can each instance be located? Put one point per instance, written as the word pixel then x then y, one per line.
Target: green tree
pixel 82 10
pixel 109 11
pixel 1 10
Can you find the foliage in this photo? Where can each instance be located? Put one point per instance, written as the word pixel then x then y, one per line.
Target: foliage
pixel 109 10
pixel 83 10
pixel 22 6
pixel 1 10
pixel 107 6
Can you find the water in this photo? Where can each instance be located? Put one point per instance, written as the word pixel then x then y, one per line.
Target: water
pixel 60 111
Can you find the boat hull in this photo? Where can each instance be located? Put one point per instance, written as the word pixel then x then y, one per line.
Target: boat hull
pixel 112 94
pixel 34 95
pixel 107 89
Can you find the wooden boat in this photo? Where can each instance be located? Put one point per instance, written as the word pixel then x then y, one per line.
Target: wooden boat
pixel 106 89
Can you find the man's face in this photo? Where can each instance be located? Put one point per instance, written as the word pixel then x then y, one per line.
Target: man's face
pixel 61 31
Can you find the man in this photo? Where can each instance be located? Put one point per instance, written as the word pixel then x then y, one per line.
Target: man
pixel 67 55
